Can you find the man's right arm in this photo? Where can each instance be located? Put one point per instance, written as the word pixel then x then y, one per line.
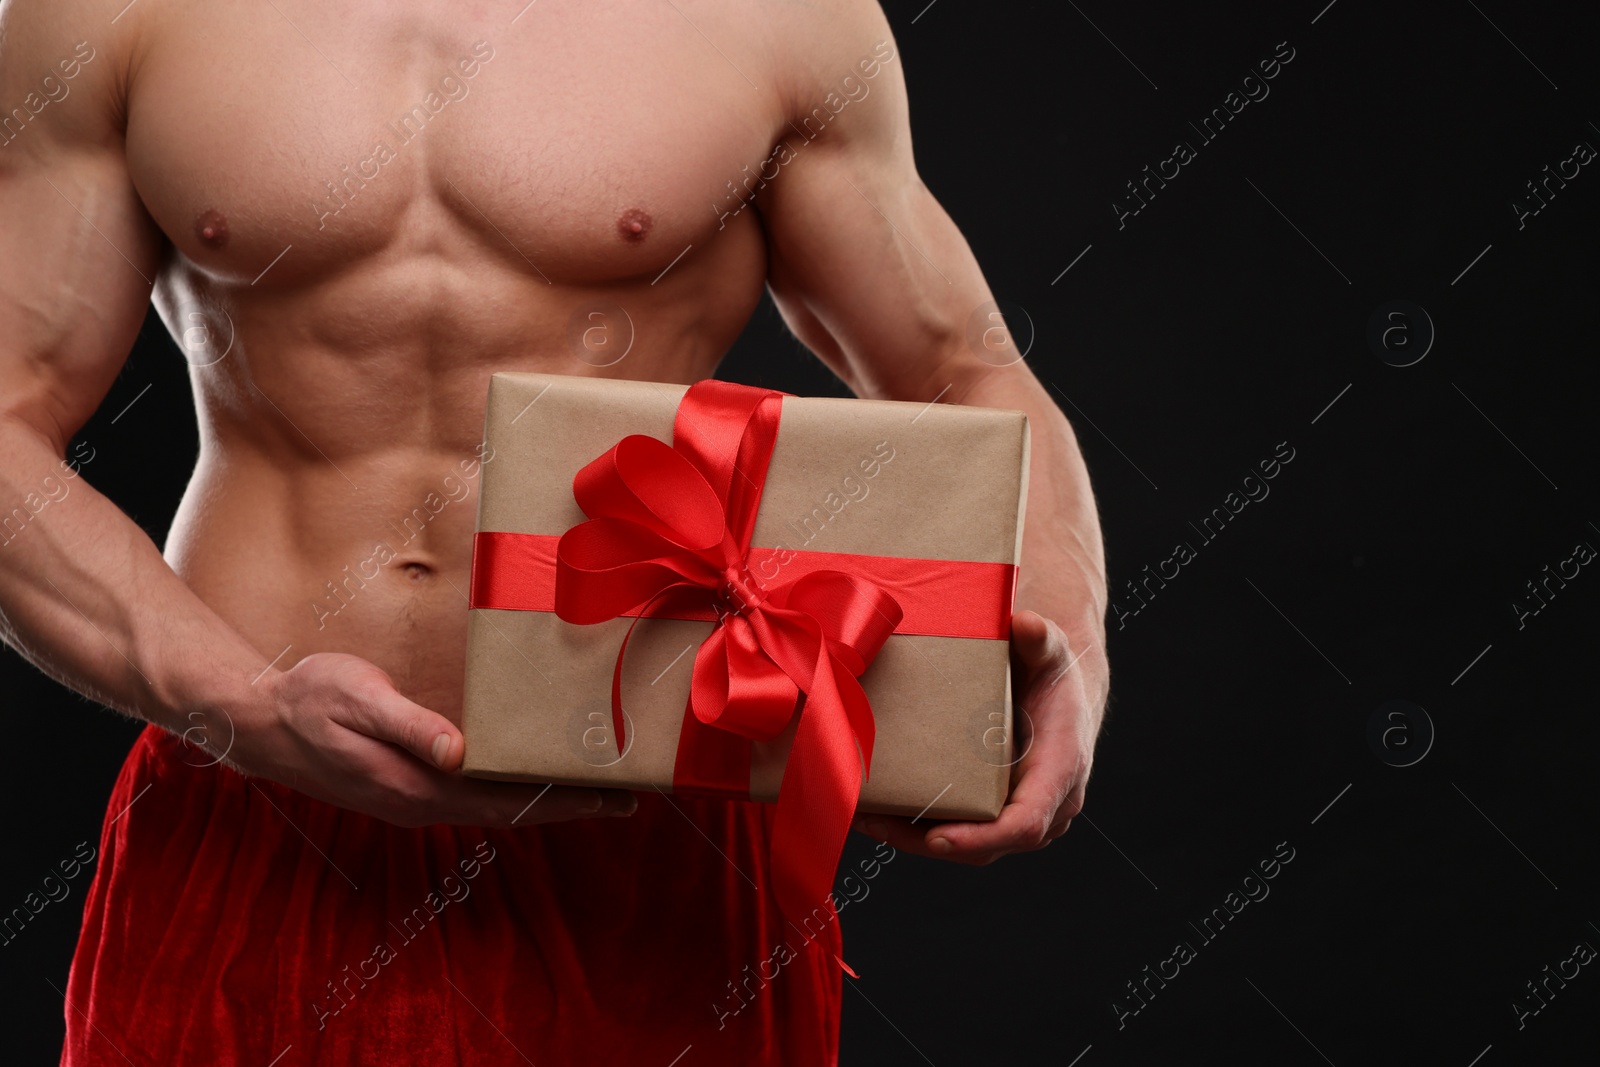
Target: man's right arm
pixel 85 594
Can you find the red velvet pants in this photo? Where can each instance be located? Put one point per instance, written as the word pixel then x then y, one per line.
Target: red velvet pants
pixel 233 920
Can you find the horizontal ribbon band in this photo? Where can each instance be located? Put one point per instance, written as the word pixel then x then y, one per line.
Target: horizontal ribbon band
pixel 940 597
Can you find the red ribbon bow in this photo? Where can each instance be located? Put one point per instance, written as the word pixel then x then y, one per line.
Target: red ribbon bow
pixel 675 524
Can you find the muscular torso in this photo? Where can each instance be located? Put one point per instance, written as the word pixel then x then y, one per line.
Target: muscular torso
pixel 371 208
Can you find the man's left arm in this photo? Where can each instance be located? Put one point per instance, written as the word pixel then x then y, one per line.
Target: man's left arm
pixel 870 272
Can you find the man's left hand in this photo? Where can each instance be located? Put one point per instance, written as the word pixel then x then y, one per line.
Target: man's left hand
pixel 1060 699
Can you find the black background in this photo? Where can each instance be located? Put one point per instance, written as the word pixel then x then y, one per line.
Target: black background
pixel 1221 320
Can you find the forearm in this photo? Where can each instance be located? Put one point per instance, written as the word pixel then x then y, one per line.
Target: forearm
pixel 87 598
pixel 1063 572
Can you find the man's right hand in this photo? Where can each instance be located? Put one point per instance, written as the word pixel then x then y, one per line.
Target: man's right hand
pixel 334 727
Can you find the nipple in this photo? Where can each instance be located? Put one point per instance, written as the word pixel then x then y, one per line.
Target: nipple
pixel 212 229
pixel 634 224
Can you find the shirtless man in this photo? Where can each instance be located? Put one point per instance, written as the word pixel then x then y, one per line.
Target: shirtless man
pixel 376 206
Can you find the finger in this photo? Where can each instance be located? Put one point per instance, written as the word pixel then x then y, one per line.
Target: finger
pixel 1019 828
pixel 381 712
pixel 1067 812
pixel 1046 794
pixel 922 838
pixel 1032 819
pixel 396 788
pixel 899 832
pixel 475 802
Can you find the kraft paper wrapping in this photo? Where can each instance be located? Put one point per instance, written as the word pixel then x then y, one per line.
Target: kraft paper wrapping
pixel 871 477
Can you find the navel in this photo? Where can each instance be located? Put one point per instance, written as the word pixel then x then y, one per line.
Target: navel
pixel 634 224
pixel 212 229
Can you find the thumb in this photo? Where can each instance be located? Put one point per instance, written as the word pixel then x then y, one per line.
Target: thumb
pixel 1035 640
pixel 385 715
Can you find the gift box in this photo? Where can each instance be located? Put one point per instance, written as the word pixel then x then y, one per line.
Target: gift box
pixel 701 573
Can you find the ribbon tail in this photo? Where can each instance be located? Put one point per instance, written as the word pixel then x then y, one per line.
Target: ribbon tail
pixel 616 693
pixel 821 785
pixel 617 717
pixel 710 762
pixel 714 757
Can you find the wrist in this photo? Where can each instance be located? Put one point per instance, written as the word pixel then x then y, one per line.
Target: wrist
pixel 196 688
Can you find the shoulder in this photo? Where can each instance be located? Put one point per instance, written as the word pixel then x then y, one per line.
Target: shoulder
pixel 829 55
pixel 64 72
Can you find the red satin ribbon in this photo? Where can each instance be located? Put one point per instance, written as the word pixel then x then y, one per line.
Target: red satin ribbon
pixel 940 597
pixel 668 536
